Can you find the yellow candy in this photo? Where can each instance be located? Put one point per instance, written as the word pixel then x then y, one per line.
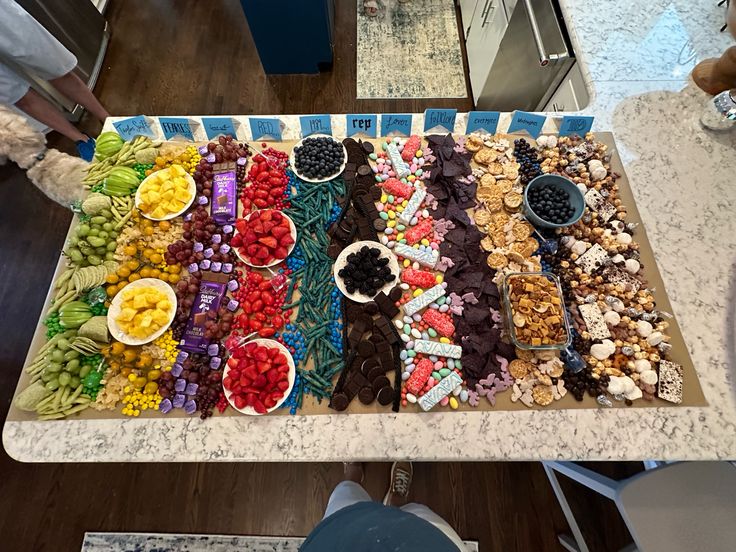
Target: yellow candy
pixel 444 340
pixel 405 203
pixel 392 214
pixel 411 178
pixel 417 292
pixel 391 223
pixel 399 236
pixel 439 279
pixel 453 403
pixel 384 198
pixel 399 209
pixel 425 241
pixel 407 262
pixel 418 154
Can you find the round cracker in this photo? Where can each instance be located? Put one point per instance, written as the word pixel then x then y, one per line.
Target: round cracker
pixel 519 368
pixel 487 244
pixel 481 217
pixel 473 143
pixel 512 200
pixel 542 394
pixel 496 261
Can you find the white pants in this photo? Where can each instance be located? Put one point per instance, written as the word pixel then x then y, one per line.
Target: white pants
pixel 348 493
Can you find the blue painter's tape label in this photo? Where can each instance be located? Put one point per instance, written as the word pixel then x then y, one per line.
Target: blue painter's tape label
pixel 575 124
pixel 133 126
pixel 265 128
pixel 393 123
pixel 362 124
pixel 444 118
pixel 215 126
pixel 486 121
pixel 315 124
pixel 531 122
pixel 176 127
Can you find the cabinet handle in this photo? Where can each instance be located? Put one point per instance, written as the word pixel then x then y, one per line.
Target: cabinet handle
pixel 544 57
pixel 491 9
pixel 484 11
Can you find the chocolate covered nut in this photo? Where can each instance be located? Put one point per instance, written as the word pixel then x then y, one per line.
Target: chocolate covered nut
pixel 366 395
pixel 395 293
pixel 379 225
pixel 367 147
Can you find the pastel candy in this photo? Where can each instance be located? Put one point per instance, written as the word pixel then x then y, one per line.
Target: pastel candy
pixel 412 206
pixel 441 390
pixel 424 258
pixel 418 303
pixel 437 348
pixel 400 166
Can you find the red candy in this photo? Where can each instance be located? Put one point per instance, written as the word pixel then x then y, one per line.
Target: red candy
pixel 419 231
pixel 397 188
pixel 419 278
pixel 411 147
pixel 441 322
pixel 419 376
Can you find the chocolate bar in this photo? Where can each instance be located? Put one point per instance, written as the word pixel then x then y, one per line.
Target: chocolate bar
pixel 224 197
pixel 592 259
pixel 423 300
pixel 401 168
pixel 211 292
pixel 438 349
pixel 387 306
pixel 594 322
pixel 420 192
pixel 598 203
pixel 425 258
pixel 616 276
pixel 445 386
pixel 669 387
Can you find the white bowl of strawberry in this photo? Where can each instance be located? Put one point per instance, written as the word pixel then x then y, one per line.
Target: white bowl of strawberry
pixel 264 238
pixel 258 376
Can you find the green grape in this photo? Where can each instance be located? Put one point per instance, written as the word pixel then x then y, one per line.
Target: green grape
pixel 83 230
pixel 64 379
pixel 57 356
pixel 111 246
pixel 109 256
pixel 108 226
pixel 93 231
pixel 75 255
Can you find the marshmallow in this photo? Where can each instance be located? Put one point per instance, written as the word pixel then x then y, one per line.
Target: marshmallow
pixel 612 318
pixel 632 266
pixel 642 365
pixel 644 328
pixel 649 377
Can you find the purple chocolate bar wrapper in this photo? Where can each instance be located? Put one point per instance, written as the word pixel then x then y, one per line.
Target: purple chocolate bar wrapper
pixel 208 298
pixel 224 197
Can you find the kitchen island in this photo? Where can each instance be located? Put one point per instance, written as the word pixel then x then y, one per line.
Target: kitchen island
pixel 681 179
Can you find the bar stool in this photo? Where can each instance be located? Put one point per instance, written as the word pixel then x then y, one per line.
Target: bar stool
pixel 684 506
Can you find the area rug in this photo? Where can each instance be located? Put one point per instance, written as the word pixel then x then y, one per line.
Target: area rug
pixel 410 50
pixel 163 542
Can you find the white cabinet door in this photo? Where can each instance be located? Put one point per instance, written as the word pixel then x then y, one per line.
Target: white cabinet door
pixel 489 24
pixel 467 8
pixel 571 95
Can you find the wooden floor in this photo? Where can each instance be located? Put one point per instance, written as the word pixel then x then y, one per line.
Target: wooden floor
pixel 200 59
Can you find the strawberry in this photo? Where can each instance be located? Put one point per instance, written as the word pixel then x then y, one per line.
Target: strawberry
pixel 241 225
pixel 260 382
pixel 261 354
pixel 277 217
pixel 272 376
pixel 268 226
pixel 286 240
pixel 259 407
pixel 280 231
pixel 251 372
pixel 280 253
pixel 264 367
pixel 269 241
pixel 239 402
pixel 267 214
pixel 237 240
pixel 249 236
pixel 270 402
pixel 232 362
pixel 262 254
pixel 227 382
pixel 283 385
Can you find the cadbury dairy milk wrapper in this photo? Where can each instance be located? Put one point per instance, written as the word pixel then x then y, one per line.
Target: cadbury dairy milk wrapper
pixel 224 197
pixel 211 291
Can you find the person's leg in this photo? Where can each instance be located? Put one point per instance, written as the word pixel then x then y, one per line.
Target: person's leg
pixel 75 89
pixel 40 109
pixel 349 491
pixel 420 510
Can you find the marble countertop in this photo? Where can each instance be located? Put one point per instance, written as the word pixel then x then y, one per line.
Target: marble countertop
pixel 682 178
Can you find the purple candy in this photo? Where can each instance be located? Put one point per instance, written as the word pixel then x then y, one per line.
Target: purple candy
pixel 232 305
pixel 211 158
pixel 232 285
pixel 215 362
pixel 242 161
pixel 217 238
pixel 213 349
pixel 224 248
pixel 227 268
pixel 208 253
pixel 191 389
pixel 178 401
pixel 165 406
pixel 181 356
pixel 197 247
pixel 190 407
pixel 205 264
pixel 227 229
pixel 203 200
pixel 180 385
pixel 176 370
pixel 193 268
pixel 202 150
pixel 216 267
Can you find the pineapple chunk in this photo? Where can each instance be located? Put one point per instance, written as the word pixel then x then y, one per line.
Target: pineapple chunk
pixel 127 314
pixel 183 195
pixel 177 170
pixel 139 302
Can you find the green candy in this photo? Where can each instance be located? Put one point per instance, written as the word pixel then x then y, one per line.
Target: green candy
pixel 391 199
pixel 441 301
pixel 444 372
pixel 373 156
pixel 411 352
pixel 431 332
pixel 436 376
pixel 383 215
pixel 407 329
pixel 400 227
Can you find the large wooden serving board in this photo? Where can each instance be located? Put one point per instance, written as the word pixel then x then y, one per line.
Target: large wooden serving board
pixel 692 392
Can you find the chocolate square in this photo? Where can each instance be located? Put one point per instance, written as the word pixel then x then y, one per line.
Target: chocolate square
pixel 593 259
pixel 594 322
pixel 615 275
pixel 670 382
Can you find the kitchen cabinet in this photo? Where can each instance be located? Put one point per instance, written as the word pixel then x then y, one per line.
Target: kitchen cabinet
pixel 486 31
pixel 467 8
pixel 571 95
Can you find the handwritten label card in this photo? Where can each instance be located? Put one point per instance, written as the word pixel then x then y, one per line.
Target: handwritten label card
pixel 444 118
pixel 265 128
pixel 394 124
pixel 486 121
pixel 362 124
pixel 531 122
pixel 176 127
pixel 575 124
pixel 215 126
pixel 133 126
pixel 315 124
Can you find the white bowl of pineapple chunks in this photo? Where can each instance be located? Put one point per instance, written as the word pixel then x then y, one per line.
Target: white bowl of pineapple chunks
pixel 141 311
pixel 165 194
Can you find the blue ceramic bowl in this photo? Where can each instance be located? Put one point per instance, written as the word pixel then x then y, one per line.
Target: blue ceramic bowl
pixel 576 200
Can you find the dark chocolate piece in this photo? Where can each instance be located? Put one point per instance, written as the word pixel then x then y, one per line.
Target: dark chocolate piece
pixel 339 402
pixel 366 395
pixel 385 396
pixel 379 382
pixel 376 373
pixel 364 170
pixel 386 305
pixel 370 308
pixel 366 349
